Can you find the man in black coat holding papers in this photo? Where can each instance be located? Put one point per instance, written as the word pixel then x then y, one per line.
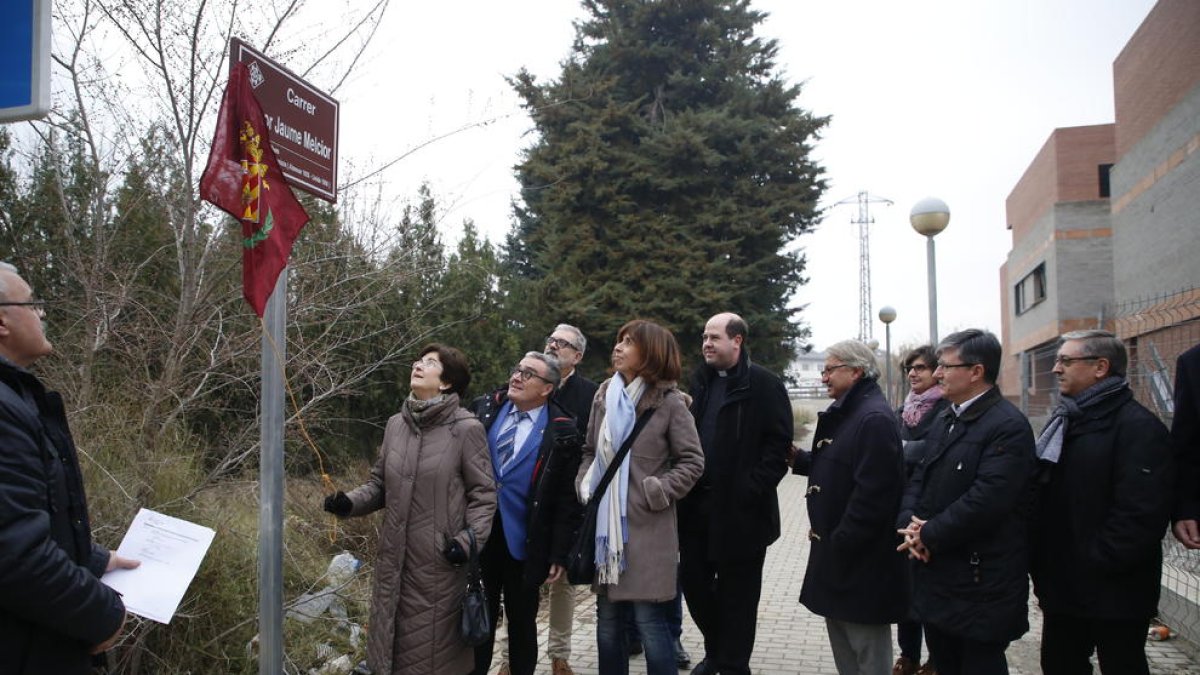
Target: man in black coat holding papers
pixel 55 615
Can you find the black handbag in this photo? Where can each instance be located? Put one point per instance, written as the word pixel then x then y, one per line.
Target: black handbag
pixel 476 624
pixel 581 561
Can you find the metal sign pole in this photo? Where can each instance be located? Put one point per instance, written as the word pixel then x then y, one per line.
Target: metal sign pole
pixel 270 514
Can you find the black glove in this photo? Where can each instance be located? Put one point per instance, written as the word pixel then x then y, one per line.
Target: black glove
pixel 339 504
pixel 454 553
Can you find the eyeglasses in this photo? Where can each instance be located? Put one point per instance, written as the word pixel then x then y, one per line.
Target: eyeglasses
pixel 919 367
pixel 38 305
pixel 527 374
pixel 1066 361
pixel 427 364
pixel 947 366
pixel 827 371
pixel 559 343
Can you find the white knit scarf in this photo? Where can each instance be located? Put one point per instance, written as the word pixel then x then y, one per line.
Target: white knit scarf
pixel 612 520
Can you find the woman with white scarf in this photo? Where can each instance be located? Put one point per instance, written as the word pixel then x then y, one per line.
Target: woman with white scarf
pixel 637 544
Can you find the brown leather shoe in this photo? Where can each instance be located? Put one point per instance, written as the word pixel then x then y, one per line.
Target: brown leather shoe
pixel 904 666
pixel 504 671
pixel 927 669
pixel 561 667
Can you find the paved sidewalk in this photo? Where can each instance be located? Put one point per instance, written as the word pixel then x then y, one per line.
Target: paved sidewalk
pixel 791 640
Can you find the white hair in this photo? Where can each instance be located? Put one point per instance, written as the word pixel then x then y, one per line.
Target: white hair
pixel 580 342
pixel 6 267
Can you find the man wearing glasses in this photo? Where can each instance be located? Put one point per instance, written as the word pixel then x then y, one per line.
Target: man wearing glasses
pixel 535 450
pixel 574 394
pixel 855 579
pixel 54 611
pixel 965 515
pixel 1104 503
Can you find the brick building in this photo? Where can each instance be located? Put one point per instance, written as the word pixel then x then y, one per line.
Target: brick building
pixel 1106 221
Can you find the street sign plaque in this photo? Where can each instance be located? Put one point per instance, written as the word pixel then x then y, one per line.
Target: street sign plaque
pixel 303 121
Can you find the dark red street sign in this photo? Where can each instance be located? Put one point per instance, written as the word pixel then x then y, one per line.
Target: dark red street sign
pixel 303 121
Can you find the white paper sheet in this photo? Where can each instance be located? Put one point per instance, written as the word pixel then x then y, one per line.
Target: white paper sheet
pixel 171 551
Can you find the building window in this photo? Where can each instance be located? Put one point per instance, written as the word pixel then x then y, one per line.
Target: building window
pixel 1105 169
pixel 1031 290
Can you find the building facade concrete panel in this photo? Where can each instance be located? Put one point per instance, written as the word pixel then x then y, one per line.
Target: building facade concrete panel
pixel 1066 169
pixel 1156 229
pixel 1155 71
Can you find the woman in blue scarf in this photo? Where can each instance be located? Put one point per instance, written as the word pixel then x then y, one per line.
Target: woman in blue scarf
pixel 637 545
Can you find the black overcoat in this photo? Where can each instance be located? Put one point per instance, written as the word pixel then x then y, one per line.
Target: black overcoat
pixel 554 513
pixel 974 491
pixel 53 608
pixel 575 396
pixel 855 481
pixel 914 438
pixel 1102 514
pixel 1185 435
pixel 736 500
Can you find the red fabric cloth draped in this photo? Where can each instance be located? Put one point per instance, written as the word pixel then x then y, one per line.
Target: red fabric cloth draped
pixel 244 180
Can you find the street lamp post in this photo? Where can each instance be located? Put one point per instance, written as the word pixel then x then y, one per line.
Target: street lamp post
pixel 887 315
pixel 929 217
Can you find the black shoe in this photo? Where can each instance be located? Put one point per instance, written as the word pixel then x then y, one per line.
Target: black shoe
pixel 635 647
pixel 682 658
pixel 704 668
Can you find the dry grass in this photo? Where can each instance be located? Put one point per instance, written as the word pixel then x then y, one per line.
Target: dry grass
pixel 218 617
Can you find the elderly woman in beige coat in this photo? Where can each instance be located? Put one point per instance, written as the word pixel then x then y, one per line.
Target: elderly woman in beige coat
pixel 637 544
pixel 433 480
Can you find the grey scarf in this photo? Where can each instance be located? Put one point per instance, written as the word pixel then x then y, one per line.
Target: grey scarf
pixel 1050 442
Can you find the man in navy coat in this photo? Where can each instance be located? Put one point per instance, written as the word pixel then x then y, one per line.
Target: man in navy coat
pixel 965 515
pixel 535 449
pixel 855 577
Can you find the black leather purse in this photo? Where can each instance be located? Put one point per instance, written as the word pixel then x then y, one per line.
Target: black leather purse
pixel 476 624
pixel 581 561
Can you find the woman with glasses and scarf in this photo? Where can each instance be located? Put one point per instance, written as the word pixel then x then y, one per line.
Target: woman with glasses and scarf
pixel 433 480
pixel 921 407
pixel 637 544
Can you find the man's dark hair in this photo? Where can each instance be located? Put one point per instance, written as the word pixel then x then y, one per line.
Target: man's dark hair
pixel 737 326
pixel 1104 344
pixel 976 346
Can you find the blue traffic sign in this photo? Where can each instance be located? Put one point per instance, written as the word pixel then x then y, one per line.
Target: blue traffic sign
pixel 24 59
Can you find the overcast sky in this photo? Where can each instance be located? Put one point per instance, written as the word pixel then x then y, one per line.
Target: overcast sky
pixel 928 97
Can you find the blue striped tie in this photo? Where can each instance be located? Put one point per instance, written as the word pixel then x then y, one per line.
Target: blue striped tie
pixel 506 444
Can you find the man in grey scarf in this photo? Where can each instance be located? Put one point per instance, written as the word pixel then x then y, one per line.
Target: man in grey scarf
pixel 1102 513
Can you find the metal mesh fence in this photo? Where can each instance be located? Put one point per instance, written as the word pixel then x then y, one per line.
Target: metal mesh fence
pixel 1156 331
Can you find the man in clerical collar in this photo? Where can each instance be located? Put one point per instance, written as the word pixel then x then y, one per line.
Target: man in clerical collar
pixel 744 417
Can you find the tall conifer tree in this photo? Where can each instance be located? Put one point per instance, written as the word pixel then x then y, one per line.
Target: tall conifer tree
pixel 669 178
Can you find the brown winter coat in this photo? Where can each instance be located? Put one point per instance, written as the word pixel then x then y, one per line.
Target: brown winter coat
pixel 665 462
pixel 432 480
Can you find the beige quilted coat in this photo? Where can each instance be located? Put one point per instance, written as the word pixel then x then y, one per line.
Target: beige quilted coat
pixel 665 462
pixel 432 480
